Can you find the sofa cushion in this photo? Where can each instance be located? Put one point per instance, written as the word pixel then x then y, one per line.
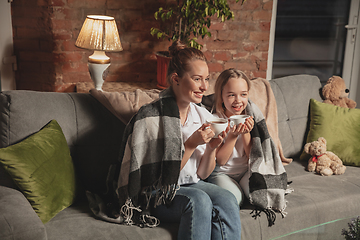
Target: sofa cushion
pixel 292 95
pixel 339 126
pixel 42 168
pixel 92 132
pixel 78 223
pixel 17 219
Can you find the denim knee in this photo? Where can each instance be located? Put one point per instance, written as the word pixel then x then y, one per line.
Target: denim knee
pixel 228 216
pixel 197 217
pixel 200 201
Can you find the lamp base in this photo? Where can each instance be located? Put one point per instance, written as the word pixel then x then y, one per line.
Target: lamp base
pixel 97 73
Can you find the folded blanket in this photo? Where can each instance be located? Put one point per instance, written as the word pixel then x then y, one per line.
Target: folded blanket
pixel 125 104
pixel 268 178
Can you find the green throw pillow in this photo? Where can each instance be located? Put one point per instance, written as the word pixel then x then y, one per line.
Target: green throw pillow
pixel 339 126
pixel 42 168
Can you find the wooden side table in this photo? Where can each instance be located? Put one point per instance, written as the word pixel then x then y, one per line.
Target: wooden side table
pixel 84 87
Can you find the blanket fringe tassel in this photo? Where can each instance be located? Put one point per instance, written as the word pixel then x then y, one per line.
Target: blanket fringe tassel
pixel 127 210
pixel 270 214
pixel 161 194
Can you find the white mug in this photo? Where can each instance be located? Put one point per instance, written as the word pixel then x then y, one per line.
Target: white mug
pixel 217 125
pixel 237 119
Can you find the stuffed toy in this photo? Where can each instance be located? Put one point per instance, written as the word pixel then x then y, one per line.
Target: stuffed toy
pixel 323 162
pixel 336 93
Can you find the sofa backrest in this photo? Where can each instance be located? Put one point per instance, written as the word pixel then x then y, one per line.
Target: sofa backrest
pixel 293 94
pixel 92 132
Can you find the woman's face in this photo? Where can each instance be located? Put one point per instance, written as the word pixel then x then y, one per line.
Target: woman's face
pixel 235 96
pixel 194 83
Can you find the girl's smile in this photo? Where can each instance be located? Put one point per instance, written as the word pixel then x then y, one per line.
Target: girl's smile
pixel 235 96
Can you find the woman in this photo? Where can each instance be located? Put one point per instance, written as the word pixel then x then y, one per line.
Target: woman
pixel 177 151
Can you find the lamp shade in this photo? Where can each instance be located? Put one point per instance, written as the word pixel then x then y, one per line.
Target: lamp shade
pixel 99 33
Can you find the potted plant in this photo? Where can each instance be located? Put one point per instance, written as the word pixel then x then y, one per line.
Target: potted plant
pixel 186 20
pixel 353 232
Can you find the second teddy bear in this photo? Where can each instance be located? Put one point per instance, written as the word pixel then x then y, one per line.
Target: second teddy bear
pixel 323 162
pixel 336 93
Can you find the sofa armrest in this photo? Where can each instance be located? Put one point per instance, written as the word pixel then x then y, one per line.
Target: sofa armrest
pixel 18 220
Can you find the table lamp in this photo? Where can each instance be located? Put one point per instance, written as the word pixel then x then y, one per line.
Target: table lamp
pixel 99 33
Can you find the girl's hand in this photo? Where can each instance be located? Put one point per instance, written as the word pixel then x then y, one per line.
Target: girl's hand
pixel 216 142
pixel 203 135
pixel 243 127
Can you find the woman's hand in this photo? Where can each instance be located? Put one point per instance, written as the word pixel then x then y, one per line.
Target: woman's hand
pixel 207 163
pixel 203 135
pixel 243 127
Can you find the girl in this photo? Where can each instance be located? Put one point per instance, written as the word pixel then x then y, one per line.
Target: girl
pixel 170 149
pixel 231 98
pixel 248 164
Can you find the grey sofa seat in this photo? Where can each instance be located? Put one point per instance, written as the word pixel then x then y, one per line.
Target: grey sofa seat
pixel 17 218
pixel 318 208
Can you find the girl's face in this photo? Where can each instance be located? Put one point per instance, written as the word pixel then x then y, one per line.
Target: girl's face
pixel 235 96
pixel 194 83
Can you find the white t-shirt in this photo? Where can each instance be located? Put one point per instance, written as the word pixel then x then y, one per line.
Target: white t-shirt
pixel 196 117
pixel 238 161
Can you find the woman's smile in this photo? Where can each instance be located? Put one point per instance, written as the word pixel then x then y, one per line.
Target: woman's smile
pixel 194 83
pixel 199 94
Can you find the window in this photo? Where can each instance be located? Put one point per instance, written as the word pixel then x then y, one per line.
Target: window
pixel 310 37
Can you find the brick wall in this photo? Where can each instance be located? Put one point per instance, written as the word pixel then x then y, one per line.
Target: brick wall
pixel 45 32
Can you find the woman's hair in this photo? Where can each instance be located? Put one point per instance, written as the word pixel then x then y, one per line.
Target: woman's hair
pixel 221 81
pixel 181 56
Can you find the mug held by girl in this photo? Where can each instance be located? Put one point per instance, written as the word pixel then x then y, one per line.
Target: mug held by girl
pixel 237 119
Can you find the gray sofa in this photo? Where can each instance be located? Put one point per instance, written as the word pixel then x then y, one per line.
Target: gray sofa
pixel 318 208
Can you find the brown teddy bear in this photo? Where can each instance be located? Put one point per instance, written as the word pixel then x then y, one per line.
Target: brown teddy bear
pixel 323 162
pixel 336 93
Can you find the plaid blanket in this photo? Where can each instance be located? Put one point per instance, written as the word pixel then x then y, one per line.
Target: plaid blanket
pixel 149 165
pixel 151 155
pixel 268 178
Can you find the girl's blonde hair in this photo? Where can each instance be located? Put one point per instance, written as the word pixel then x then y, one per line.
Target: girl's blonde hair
pixel 221 81
pixel 181 56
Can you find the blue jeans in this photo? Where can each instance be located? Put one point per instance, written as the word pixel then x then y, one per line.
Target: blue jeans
pixel 204 211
